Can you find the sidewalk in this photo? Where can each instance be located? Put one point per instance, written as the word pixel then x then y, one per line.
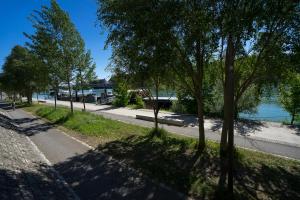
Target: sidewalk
pixel 270 131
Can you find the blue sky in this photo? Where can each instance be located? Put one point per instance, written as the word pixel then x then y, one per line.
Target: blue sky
pixel 14 21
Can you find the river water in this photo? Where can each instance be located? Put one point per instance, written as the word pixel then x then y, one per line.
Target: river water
pixel 266 111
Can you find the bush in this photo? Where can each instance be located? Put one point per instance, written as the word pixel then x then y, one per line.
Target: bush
pixel 177 107
pixel 122 97
pixel 139 102
pixel 121 100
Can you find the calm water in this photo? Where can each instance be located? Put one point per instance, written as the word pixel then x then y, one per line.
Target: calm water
pixel 268 112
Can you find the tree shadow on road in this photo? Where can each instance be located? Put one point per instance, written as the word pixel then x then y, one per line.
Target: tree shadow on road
pixel 94 175
pixel 41 183
pixel 242 126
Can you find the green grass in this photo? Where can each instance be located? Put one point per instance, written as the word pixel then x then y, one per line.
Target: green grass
pixel 86 123
pixel 174 159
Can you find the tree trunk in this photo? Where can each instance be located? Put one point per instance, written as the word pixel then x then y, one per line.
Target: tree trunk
pixel 14 101
pixel 201 144
pixel 83 98
pixel 223 142
pixel 229 84
pixel 76 95
pixel 29 98
pixel 293 117
pixel 37 98
pixel 70 95
pixel 156 108
pixel 55 98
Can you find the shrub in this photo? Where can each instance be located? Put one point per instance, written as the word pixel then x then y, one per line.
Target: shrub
pixel 139 102
pixel 177 107
pixel 121 101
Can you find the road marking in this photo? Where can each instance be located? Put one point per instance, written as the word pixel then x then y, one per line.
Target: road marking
pixel 61 179
pixel 77 140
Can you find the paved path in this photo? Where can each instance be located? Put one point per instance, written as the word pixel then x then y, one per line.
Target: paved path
pixel 258 144
pixel 270 131
pixel 90 174
pixel 24 172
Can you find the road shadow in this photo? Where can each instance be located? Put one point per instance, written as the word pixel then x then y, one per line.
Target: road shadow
pixel 242 126
pixel 41 183
pixel 94 175
pixel 27 126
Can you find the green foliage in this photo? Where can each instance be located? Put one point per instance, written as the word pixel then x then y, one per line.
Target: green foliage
pixel 121 95
pixel 23 73
pixel 290 95
pixel 139 102
pixel 60 46
pixel 135 100
pixel 177 107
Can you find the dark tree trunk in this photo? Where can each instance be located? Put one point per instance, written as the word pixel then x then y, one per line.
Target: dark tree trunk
pixel 70 95
pixel 199 93
pixel 229 84
pixel 29 98
pixel 76 95
pixel 293 116
pixel 156 108
pixel 201 144
pixel 83 98
pixel 37 97
pixel 227 137
pixel 14 101
pixel 55 99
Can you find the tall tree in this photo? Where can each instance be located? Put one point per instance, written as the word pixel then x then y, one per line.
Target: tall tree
pixel 139 45
pixel 194 37
pixel 44 44
pixel 23 73
pixel 85 73
pixel 260 23
pixel 289 91
pixel 55 28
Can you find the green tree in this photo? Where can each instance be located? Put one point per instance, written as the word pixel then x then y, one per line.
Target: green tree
pixel 44 44
pixel 289 96
pixel 85 73
pixel 55 29
pixel 261 23
pixel 139 46
pixel 23 73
